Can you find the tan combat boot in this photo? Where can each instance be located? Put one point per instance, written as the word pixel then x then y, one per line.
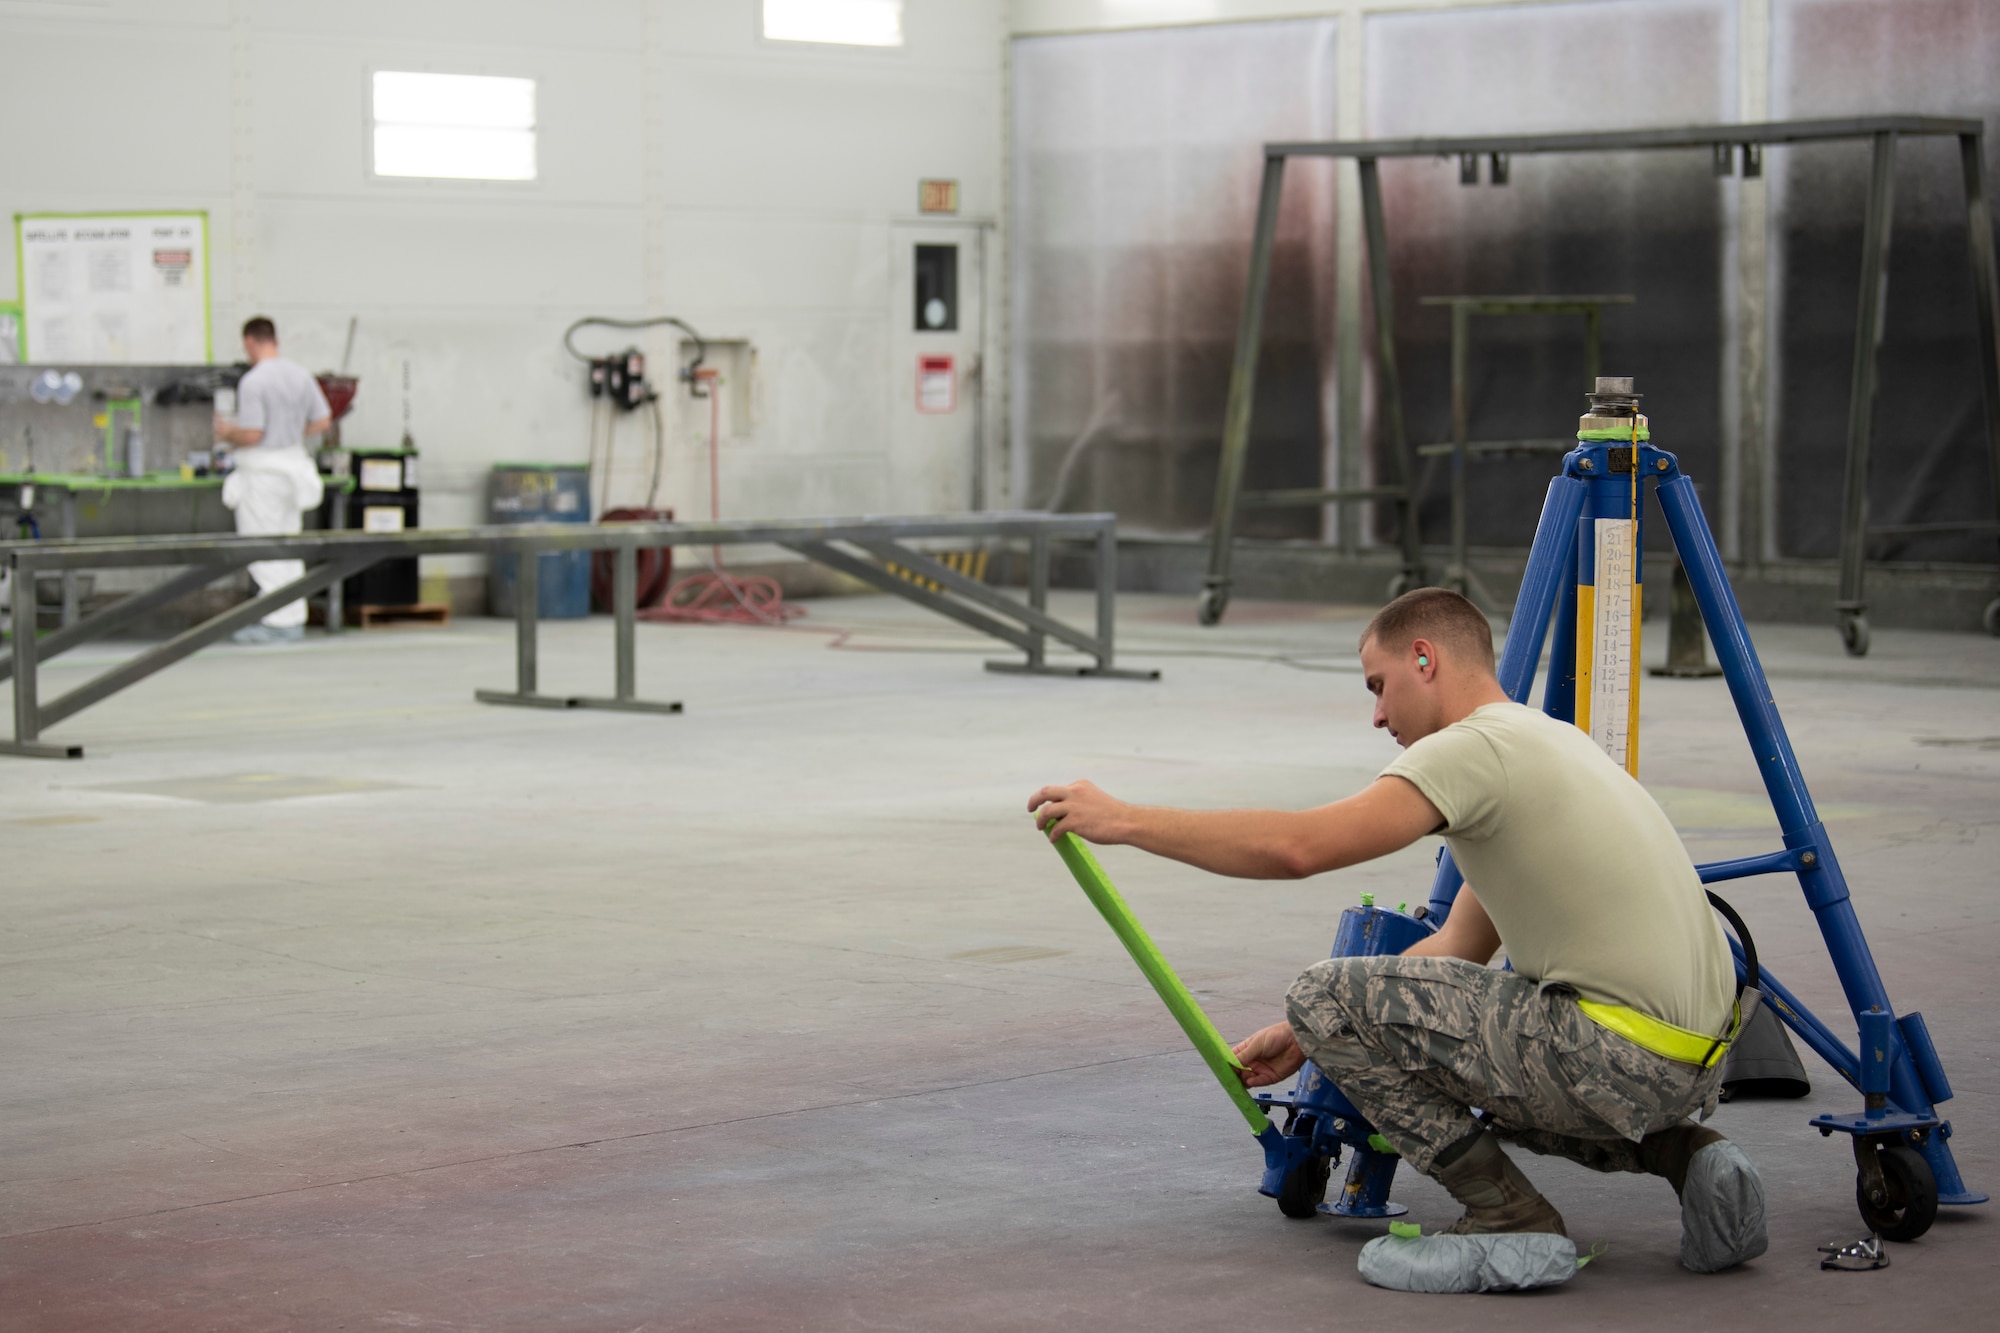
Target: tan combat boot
pixel 1497 1197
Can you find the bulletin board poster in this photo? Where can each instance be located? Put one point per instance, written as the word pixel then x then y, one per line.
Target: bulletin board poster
pixel 113 288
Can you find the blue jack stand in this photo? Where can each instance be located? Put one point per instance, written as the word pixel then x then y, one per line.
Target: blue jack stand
pixel 1299 1160
pixel 1902 1152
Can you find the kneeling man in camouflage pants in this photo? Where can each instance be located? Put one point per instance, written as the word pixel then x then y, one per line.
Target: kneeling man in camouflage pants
pixel 1605 1038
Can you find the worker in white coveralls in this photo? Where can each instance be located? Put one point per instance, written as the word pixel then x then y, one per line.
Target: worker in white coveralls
pixel 1600 1045
pixel 278 404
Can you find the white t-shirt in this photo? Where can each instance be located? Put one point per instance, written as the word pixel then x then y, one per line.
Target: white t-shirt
pixel 278 397
pixel 1578 866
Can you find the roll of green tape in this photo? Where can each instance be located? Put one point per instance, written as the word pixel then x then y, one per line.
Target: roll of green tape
pixel 1214 1051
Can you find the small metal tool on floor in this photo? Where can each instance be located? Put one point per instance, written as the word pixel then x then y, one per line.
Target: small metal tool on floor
pixel 1863 1256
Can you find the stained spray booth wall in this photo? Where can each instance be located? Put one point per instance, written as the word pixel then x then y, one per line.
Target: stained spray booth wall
pixel 1136 159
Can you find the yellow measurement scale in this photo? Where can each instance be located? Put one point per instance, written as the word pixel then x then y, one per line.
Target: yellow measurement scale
pixel 1608 589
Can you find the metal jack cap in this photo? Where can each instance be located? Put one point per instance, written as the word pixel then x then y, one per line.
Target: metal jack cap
pixel 1613 397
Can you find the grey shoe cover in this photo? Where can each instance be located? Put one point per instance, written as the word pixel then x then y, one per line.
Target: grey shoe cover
pixel 1722 1210
pixel 1504 1261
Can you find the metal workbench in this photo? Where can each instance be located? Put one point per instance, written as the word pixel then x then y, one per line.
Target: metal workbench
pixel 861 547
pixel 68 486
pixel 1724 142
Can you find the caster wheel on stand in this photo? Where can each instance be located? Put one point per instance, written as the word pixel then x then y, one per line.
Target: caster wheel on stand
pixel 1911 1202
pixel 1992 617
pixel 1854 635
pixel 1208 607
pixel 1401 584
pixel 1305 1188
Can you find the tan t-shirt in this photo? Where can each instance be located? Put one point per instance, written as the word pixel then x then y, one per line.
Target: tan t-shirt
pixel 1578 866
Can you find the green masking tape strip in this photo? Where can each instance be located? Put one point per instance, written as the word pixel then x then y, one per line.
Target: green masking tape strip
pixel 1612 436
pixel 1407 1230
pixel 1215 1052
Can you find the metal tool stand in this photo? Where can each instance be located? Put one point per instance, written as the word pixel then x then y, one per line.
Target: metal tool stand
pixel 1687 643
pixel 29 650
pixel 1461 448
pixel 1229 497
pixel 527 608
pixel 842 543
pixel 1870 322
pixel 1901 1146
pixel 1723 142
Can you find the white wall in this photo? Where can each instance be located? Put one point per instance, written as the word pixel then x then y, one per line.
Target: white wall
pixel 687 168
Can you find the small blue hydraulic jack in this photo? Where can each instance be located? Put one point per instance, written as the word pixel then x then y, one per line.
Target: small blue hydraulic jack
pixel 1584 575
pixel 1319 1121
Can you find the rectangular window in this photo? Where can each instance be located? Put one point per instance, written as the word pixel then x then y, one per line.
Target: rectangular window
pixel 454 126
pixel 937 288
pixel 839 22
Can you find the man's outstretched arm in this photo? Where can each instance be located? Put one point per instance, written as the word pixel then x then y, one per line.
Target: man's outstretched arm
pixel 1386 816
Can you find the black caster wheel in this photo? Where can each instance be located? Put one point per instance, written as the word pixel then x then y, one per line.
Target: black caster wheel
pixel 1992 617
pixel 1208 607
pixel 1854 635
pixel 1304 1189
pixel 1911 1201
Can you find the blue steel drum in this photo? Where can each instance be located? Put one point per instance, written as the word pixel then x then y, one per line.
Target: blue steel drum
pixel 542 493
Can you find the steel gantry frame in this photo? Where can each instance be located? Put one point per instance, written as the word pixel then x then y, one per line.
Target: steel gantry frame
pixel 1024 623
pixel 1722 141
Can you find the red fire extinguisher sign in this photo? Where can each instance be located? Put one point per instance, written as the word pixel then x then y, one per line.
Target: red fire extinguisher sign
pixel 937 384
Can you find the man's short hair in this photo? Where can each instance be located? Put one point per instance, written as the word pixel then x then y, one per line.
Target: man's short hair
pixel 261 329
pixel 1437 614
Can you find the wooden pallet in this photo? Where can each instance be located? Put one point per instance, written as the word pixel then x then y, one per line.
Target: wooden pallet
pixel 417 613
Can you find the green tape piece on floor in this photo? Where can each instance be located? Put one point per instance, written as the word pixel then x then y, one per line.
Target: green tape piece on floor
pixel 1612 436
pixel 1215 1052
pixel 1407 1230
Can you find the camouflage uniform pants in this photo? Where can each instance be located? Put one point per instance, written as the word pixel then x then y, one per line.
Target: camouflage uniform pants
pixel 1416 1043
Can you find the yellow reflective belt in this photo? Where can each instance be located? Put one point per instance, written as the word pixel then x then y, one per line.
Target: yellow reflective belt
pixel 1664 1039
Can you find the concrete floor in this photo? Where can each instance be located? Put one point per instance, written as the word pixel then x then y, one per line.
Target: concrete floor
pixel 334 999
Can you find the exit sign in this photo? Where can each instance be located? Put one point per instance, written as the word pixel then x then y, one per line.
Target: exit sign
pixel 937 196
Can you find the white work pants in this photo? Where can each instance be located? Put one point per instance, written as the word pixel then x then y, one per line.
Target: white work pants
pixel 270 496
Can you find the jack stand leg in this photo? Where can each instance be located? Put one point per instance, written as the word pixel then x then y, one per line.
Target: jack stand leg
pixel 1366 1193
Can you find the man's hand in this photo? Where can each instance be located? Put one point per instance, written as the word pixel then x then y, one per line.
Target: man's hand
pixel 1082 809
pixel 1269 1056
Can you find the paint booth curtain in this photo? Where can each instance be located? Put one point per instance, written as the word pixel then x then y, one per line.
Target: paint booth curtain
pixel 1136 159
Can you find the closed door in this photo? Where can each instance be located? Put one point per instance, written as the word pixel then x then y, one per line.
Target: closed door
pixel 937 368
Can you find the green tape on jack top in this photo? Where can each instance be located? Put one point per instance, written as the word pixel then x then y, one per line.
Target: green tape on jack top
pixel 1611 436
pixel 1215 1052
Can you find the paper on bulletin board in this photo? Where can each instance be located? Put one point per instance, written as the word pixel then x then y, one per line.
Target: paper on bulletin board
pixel 113 288
pixel 10 334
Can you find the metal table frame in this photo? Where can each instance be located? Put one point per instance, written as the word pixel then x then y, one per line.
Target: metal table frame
pixel 1458 574
pixel 855 546
pixel 1722 141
